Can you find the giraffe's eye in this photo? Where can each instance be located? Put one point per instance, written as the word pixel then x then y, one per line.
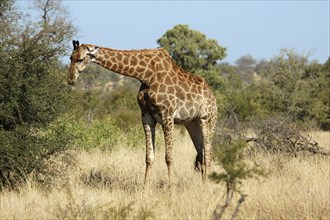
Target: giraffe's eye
pixel 80 60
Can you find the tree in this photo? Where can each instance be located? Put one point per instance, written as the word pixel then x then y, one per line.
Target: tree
pixel 33 92
pixel 230 147
pixel 292 85
pixel 246 67
pixel 31 87
pixel 190 49
pixel 54 25
pixel 5 6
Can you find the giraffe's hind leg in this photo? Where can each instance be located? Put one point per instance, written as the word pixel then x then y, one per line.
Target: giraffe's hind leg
pixel 196 135
pixel 149 125
pixel 208 126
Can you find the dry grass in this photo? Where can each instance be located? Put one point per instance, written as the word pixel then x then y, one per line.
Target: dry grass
pixel 99 185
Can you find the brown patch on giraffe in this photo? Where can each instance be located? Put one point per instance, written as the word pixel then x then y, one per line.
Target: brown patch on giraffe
pixel 140 57
pixel 170 89
pixel 185 86
pixel 166 65
pixel 162 88
pixel 168 80
pixel 120 66
pixel 152 63
pixel 153 97
pixel 107 63
pixel 119 57
pixel 148 74
pixel 140 69
pixel 175 80
pixel 176 69
pixel 126 61
pixel 181 76
pixel 133 61
pixel 160 77
pixel 180 93
pixel 131 70
pixel 198 80
pixel 154 86
pixel 157 59
pixel 166 102
pixel 190 80
pixel 193 90
pixel 160 67
pixel 113 60
pixel 126 68
pixel 174 102
pixel 142 63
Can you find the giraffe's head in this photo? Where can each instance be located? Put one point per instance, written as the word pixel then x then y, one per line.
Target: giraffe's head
pixel 81 56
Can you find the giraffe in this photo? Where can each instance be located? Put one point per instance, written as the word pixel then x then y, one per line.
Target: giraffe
pixel 168 95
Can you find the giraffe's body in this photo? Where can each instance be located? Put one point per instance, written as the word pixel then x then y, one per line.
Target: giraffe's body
pixel 168 95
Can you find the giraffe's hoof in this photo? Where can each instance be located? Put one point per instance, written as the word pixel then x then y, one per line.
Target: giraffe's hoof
pixel 198 167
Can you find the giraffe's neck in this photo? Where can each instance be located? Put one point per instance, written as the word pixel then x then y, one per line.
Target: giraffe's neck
pixel 138 64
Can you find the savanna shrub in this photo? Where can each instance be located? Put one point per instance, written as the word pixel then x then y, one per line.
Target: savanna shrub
pixel 23 152
pixel 103 134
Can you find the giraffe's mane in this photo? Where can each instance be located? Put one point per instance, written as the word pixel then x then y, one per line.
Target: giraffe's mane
pixel 130 51
pixel 160 49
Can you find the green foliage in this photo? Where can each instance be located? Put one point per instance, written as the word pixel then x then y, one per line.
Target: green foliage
pixel 103 133
pixel 232 159
pixel 32 92
pixel 233 97
pixel 32 89
pixel 212 77
pixel 294 86
pixel 24 151
pixel 191 49
pixel 117 109
pixel 287 84
pixel 5 6
pixel 245 67
pixel 120 104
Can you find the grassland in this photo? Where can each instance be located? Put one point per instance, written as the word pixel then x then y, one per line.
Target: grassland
pixel 101 185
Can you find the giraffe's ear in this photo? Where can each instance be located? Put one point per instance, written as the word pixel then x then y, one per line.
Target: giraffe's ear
pixel 75 44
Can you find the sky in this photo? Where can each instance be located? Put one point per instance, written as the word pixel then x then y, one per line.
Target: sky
pixel 258 28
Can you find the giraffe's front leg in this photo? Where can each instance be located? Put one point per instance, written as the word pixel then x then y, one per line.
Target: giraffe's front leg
pixel 168 128
pixel 149 125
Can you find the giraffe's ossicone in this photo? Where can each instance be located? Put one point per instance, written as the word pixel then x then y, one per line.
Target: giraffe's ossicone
pixel 168 95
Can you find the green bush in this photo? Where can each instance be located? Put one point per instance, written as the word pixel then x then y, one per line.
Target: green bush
pixel 102 134
pixel 23 152
pixel 231 157
pixel 33 92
